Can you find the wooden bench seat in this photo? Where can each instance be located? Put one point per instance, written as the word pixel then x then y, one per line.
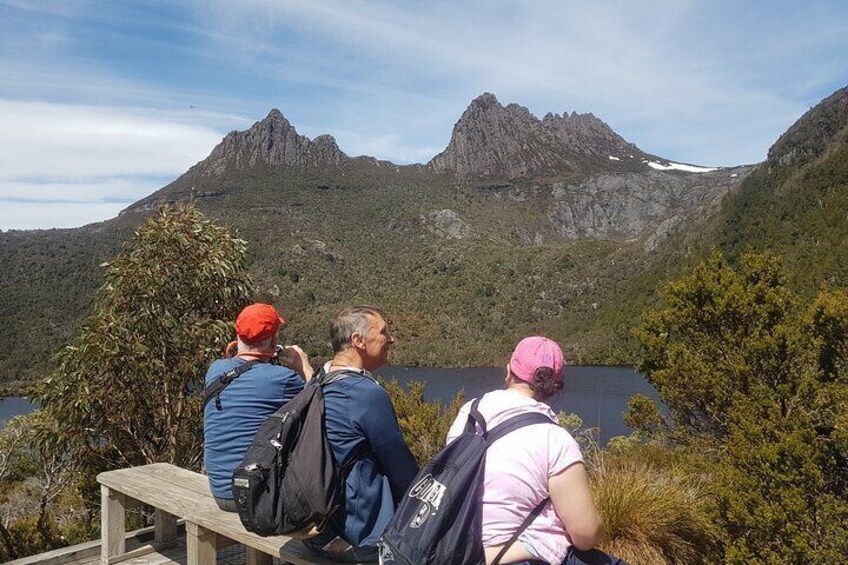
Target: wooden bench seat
pixel 178 493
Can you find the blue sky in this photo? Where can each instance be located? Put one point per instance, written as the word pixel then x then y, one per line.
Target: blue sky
pixel 101 103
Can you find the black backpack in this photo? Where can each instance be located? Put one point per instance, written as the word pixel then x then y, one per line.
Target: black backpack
pixel 288 482
pixel 439 520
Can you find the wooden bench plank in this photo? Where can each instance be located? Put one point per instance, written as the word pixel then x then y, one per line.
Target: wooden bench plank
pixel 82 553
pixel 185 494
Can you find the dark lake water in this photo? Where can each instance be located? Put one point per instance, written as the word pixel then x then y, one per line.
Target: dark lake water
pixel 598 395
pixel 12 406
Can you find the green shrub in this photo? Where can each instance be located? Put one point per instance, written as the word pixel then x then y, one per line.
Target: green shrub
pixel 424 424
pixel 752 374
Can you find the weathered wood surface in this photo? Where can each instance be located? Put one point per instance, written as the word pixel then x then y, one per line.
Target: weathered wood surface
pixel 185 494
pixel 81 553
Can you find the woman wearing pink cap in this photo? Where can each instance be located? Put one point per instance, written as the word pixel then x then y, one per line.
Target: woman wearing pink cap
pixel 532 464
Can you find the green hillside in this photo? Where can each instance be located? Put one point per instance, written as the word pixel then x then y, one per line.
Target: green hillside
pixel 463 266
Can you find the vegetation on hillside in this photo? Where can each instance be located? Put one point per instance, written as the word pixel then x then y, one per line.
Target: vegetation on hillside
pixel 756 376
pixel 476 262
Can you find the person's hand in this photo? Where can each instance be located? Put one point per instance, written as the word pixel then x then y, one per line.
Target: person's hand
pixel 297 360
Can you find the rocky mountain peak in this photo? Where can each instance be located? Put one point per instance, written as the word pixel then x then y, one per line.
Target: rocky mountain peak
pixel 272 141
pixel 485 100
pixel 492 140
pixel 589 135
pixel 275 115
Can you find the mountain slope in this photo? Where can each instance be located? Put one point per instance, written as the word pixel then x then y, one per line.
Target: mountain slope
pixel 796 203
pixel 521 225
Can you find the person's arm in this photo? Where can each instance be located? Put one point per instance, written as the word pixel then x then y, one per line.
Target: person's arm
pixel 572 500
pixel 378 422
pixel 297 360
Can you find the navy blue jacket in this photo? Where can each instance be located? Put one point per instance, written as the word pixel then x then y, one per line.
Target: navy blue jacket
pixel 246 403
pixel 361 424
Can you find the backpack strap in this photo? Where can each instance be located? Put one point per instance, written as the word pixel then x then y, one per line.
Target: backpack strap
pixel 475 418
pixel 515 423
pixel 213 390
pixel 324 378
pixel 530 517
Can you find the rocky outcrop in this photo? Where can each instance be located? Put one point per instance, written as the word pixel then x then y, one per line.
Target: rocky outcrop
pixel 584 134
pixel 446 224
pixel 495 141
pixel 633 205
pixel 272 141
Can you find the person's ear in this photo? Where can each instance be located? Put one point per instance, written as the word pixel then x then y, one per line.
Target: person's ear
pixel 508 376
pixel 357 340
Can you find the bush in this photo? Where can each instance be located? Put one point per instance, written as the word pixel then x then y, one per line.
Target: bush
pixel 750 372
pixel 424 424
pixel 125 390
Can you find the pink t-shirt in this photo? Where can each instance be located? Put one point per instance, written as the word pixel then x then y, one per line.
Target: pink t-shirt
pixel 517 470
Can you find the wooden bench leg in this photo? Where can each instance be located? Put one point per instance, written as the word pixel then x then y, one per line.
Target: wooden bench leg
pixel 200 545
pixel 113 534
pixel 256 557
pixel 164 526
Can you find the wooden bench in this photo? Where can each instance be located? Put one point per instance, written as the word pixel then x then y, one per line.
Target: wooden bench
pixel 177 493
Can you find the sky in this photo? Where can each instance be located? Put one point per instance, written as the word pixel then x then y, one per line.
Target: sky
pixel 102 103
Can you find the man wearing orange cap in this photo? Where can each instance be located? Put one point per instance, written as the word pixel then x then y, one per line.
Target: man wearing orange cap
pixel 255 388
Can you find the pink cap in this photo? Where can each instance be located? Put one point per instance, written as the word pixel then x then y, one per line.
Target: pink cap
pixel 535 352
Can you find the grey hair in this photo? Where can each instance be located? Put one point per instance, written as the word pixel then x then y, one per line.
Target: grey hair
pixel 262 346
pixel 348 321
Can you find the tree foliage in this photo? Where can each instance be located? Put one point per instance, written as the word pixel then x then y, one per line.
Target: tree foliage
pixel 744 366
pixel 126 388
pixel 36 469
pixel 424 425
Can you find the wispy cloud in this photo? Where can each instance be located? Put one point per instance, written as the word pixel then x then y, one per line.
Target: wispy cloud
pixel 59 141
pixel 100 158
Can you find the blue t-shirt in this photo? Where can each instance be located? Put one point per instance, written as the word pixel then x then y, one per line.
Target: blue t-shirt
pixel 246 403
pixel 360 422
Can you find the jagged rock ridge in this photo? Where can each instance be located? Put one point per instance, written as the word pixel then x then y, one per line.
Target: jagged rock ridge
pixel 492 140
pixel 272 141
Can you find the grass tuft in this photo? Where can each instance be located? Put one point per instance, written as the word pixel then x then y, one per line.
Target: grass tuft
pixel 654 512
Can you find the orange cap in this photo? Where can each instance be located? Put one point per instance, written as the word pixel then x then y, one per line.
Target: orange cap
pixel 257 322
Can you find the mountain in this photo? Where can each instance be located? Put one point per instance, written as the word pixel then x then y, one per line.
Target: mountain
pixel 491 140
pixel 275 142
pixel 555 225
pixel 795 204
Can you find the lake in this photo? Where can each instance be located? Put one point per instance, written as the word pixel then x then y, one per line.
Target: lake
pixel 12 406
pixel 598 395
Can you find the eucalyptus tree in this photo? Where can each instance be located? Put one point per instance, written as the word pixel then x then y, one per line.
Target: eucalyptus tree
pixel 126 389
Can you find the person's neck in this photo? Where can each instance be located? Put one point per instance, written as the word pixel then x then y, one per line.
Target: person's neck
pixel 523 390
pixel 258 355
pixel 347 358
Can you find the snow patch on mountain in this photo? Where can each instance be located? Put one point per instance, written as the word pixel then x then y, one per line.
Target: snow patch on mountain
pixel 679 167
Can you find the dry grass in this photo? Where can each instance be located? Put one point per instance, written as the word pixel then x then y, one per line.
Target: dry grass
pixel 654 513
